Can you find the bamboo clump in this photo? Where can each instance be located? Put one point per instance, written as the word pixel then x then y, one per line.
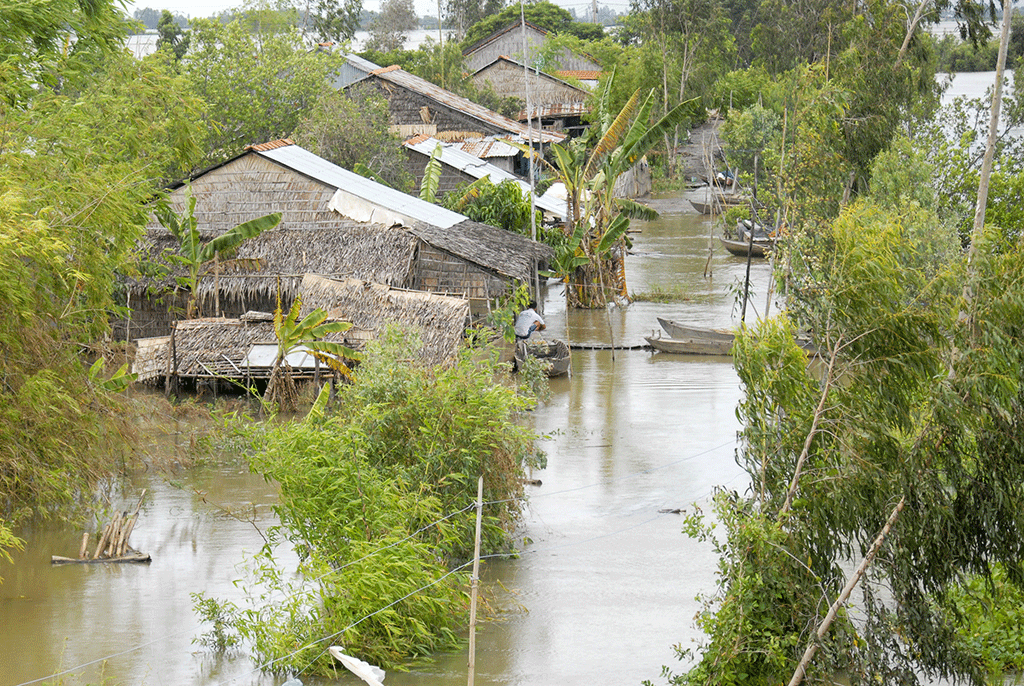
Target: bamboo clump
pixel 113 542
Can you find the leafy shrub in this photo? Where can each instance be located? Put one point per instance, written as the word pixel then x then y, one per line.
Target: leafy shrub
pixel 377 496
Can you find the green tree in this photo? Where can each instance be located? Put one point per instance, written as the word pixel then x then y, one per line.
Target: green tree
pixel 171 36
pixel 257 86
pixel 196 256
pixel 376 495
pixel 905 442
pixel 308 332
pixel 591 260
pixel 389 29
pixel 353 128
pixel 544 14
pixel 78 166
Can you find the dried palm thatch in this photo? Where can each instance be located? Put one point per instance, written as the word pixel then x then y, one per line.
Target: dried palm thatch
pixel 211 348
pixel 441 320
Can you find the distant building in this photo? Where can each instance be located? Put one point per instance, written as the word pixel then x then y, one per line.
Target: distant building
pixel 510 41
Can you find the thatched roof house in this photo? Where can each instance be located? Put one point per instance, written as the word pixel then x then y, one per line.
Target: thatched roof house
pixel 419 106
pixel 557 104
pixel 509 41
pixel 243 349
pixel 334 223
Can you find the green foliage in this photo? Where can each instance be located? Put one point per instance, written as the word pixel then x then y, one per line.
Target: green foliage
pixel 992 612
pixel 955 55
pixel 431 176
pixel 353 128
pixel 82 157
pixel 375 495
pixel 917 399
pixel 544 14
pixel 171 37
pixel 238 70
pixel 504 205
pixel 192 253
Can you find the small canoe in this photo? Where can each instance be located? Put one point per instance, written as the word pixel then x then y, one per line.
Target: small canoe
pixel 741 248
pixel 689 346
pixel 718 204
pixel 677 330
pixel 554 355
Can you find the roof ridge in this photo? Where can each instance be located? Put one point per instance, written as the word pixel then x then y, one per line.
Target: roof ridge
pixel 270 145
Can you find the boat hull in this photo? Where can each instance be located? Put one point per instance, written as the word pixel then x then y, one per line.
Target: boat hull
pixel 742 248
pixel 554 355
pixel 689 346
pixel 685 331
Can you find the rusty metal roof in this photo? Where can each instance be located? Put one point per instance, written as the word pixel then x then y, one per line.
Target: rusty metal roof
pixel 579 74
pixel 555 109
pixel 457 158
pixel 399 77
pixel 488 147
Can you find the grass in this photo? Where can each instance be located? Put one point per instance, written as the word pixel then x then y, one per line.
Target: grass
pixel 658 294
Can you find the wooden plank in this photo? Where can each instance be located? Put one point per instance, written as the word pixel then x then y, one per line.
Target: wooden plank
pixel 134 557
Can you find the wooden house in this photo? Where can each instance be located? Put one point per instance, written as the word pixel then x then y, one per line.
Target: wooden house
pixel 334 223
pixel 418 106
pixel 555 103
pixel 510 41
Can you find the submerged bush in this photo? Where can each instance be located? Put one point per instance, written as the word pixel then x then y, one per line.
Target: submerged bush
pixel 378 498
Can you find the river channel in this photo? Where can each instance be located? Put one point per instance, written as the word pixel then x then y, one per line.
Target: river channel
pixel 606 582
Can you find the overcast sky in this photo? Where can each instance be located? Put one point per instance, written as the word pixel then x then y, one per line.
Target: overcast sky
pixel 205 8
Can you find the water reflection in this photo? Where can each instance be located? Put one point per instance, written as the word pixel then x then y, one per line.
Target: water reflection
pixel 605 585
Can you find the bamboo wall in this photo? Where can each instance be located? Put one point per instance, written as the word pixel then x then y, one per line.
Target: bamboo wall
pixel 510 44
pixel 441 272
pixel 410 109
pixel 508 79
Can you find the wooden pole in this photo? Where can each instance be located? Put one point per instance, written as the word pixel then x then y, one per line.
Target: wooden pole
pixel 83 553
pixel 475 582
pixel 801 669
pixel 103 541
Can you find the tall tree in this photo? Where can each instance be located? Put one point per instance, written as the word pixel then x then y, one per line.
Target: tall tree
pixel 257 86
pixel 389 29
pixel 171 36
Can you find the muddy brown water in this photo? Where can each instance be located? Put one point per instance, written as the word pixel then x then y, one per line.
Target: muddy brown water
pixel 606 582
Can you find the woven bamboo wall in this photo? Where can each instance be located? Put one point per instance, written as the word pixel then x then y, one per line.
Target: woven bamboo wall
pixel 440 272
pixel 507 79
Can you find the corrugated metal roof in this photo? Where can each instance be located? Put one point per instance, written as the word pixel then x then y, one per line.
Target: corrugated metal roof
pixel 330 174
pixel 404 79
pixel 455 157
pixel 488 147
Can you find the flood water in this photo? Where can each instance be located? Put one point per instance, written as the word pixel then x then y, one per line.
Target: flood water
pixel 605 585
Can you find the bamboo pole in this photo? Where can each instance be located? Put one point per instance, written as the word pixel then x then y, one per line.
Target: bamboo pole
pixel 103 541
pixel 801 669
pixel 83 552
pixel 475 580
pixel 115 534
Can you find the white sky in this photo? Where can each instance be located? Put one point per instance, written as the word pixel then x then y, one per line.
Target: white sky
pixel 205 8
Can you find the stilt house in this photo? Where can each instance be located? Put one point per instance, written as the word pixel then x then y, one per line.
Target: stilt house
pixel 334 223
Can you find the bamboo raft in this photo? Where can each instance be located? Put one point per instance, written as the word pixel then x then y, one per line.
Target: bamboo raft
pixel 113 542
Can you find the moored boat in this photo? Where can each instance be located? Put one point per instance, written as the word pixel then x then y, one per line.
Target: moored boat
pixel 677 330
pixel 554 355
pixel 689 346
pixel 756 248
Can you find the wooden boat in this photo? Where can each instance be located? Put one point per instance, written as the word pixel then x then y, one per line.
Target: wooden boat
pixel 757 248
pixel 689 346
pixel 719 203
pixel 685 331
pixel 555 355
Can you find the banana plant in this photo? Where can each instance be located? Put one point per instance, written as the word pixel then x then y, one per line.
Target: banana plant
pixel 431 176
pixel 597 221
pixel 192 254
pixel 292 334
